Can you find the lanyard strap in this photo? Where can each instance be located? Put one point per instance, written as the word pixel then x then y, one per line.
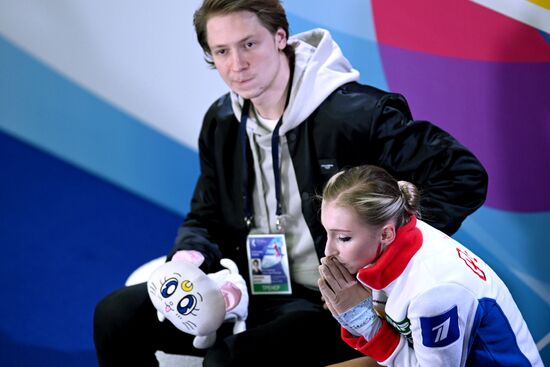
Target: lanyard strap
pixel 276 168
pixel 248 208
pixel 248 211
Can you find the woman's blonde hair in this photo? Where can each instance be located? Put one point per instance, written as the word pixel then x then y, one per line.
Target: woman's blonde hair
pixel 374 194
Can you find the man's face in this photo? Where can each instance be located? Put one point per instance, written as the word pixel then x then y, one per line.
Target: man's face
pixel 247 56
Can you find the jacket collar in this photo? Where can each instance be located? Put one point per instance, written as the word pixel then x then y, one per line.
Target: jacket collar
pixel 394 259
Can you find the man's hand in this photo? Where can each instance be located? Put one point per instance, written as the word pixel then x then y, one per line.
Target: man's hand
pixel 340 290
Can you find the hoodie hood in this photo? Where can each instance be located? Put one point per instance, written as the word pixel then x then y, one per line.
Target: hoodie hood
pixel 320 67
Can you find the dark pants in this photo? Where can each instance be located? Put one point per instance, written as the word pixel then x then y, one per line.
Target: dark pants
pixel 281 331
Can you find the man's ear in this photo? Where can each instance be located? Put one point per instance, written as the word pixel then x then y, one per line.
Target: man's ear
pixel 280 38
pixel 388 234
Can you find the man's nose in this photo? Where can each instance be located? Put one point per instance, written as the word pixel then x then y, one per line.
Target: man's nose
pixel 238 61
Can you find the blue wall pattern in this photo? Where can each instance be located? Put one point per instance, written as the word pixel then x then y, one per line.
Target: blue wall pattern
pixel 98 164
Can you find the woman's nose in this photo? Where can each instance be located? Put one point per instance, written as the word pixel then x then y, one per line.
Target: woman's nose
pixel 329 249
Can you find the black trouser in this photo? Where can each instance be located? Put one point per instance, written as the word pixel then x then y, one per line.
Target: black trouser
pixel 281 331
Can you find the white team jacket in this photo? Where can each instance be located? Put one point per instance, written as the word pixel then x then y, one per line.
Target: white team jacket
pixel 443 307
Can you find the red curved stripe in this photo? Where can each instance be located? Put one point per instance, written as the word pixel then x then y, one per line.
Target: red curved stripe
pixel 457 28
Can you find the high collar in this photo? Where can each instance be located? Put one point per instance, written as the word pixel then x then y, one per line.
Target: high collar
pixel 394 259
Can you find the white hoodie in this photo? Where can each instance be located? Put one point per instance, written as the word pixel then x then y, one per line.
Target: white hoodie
pixel 320 68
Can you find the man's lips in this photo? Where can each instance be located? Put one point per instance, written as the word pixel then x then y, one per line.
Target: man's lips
pixel 242 80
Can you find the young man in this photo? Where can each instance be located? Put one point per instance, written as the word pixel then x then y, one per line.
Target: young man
pixel 294 116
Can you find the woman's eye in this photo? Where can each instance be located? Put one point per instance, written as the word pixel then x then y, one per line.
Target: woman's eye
pixel 249 44
pixel 344 238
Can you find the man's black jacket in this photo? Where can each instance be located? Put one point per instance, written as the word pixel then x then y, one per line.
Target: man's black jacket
pixel 355 125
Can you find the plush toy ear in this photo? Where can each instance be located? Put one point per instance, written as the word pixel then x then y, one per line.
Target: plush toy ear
pixel 231 295
pixel 192 256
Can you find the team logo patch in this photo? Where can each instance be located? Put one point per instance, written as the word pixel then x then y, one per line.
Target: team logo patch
pixel 441 330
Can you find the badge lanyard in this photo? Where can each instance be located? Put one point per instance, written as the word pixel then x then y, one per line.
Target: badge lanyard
pixel 270 249
pixel 248 209
pixel 247 198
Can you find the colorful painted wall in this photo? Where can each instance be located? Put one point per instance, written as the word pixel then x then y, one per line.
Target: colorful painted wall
pixel 100 107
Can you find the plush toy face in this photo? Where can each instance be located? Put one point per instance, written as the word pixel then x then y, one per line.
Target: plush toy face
pixel 187 297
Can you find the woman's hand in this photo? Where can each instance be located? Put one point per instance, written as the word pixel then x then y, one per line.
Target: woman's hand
pixel 339 289
pixel 349 301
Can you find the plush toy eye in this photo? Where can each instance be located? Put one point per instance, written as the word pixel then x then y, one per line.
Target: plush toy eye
pixel 187 304
pixel 169 287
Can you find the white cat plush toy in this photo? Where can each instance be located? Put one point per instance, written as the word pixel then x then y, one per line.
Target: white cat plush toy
pixel 198 303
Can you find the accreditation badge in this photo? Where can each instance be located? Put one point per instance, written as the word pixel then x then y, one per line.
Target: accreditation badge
pixel 268 264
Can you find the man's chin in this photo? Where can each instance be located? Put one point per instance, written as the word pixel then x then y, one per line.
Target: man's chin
pixel 246 94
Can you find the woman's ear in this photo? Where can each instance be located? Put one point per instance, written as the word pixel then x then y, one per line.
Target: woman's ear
pixel 388 234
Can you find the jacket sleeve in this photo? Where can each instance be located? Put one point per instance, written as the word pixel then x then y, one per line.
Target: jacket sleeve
pixel 441 342
pixel 451 180
pixel 381 347
pixel 197 229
